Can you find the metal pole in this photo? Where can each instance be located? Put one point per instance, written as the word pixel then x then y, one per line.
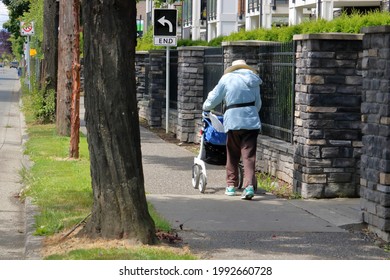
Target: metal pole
pixel 28 63
pixel 167 75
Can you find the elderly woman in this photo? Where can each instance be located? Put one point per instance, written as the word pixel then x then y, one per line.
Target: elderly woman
pixel 239 89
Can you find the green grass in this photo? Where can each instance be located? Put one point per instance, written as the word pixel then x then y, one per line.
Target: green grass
pixel 140 253
pixel 61 188
pixel 276 187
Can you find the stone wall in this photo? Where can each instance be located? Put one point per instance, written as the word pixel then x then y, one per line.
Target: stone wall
pixel 275 157
pixel 327 133
pixel 141 61
pixel 247 50
pixel 190 92
pixel 342 81
pixel 375 165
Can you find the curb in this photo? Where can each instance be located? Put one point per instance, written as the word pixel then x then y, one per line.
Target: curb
pixel 33 244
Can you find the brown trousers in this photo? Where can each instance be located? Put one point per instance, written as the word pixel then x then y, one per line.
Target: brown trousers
pixel 241 145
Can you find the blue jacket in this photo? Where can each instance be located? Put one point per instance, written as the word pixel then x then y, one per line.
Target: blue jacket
pixel 237 87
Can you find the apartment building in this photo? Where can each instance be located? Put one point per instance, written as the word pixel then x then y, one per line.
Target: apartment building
pixel 208 19
pixel 328 9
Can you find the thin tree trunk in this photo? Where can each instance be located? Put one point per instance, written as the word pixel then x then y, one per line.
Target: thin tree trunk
pixel 75 111
pixel 64 82
pixel 120 208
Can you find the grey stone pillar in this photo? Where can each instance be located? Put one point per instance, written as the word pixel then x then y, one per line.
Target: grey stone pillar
pixel 375 165
pixel 190 91
pixel 156 90
pixel 247 50
pixel 386 5
pixel 327 127
pixel 141 59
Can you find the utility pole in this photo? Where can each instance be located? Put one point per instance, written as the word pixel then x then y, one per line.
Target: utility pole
pixel 75 107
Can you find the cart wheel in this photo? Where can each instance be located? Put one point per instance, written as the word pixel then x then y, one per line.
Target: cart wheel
pixel 240 175
pixel 196 171
pixel 241 178
pixel 202 183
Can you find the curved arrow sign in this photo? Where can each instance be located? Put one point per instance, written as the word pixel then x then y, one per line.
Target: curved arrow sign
pixel 164 21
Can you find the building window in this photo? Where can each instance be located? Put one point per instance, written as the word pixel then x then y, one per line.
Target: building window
pixel 212 9
pixel 187 12
pixel 253 5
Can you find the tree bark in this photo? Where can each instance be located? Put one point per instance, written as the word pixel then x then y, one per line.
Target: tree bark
pixel 120 207
pixel 64 82
pixel 75 110
pixel 50 46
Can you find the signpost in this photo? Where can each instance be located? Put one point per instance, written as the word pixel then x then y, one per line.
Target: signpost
pixel 165 34
pixel 27 29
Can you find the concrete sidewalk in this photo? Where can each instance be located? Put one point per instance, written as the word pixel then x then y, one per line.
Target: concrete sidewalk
pixel 216 226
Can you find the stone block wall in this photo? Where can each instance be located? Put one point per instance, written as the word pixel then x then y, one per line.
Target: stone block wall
pixel 375 107
pixel 154 102
pixel 327 131
pixel 190 92
pixel 275 157
pixel 247 50
pixel 141 61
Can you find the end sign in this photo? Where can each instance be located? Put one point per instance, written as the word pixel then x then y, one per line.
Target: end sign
pixel 165 23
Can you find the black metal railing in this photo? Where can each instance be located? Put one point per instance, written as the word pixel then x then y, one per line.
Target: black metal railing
pixel 213 70
pixel 277 70
pixel 173 73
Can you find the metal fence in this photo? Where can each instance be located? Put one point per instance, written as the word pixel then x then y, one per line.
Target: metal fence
pixel 173 66
pixel 213 70
pixel 277 70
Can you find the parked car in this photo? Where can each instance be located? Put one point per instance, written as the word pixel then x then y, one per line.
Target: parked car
pixel 14 64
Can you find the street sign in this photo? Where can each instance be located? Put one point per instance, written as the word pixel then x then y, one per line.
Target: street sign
pixel 165 23
pixel 140 28
pixel 27 28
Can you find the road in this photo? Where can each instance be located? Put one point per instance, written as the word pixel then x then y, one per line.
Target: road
pixel 12 236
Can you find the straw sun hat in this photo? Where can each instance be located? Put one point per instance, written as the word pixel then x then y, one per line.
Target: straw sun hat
pixel 239 64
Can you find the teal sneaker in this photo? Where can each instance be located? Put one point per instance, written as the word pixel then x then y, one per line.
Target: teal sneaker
pixel 230 191
pixel 248 193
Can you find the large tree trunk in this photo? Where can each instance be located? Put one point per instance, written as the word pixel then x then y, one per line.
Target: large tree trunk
pixel 50 46
pixel 64 82
pixel 120 208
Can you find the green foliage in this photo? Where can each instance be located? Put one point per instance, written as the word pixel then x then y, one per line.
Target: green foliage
pixel 40 103
pixel 136 253
pixel 146 42
pixel 278 188
pixel 16 10
pixel 216 42
pixel 188 42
